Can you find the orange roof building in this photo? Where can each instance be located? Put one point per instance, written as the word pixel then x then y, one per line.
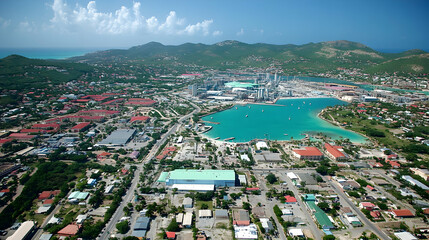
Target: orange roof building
pixel 309 153
pixel 70 230
pixel 290 200
pixel 333 152
pixel 402 213
pixel 139 118
pixel 171 235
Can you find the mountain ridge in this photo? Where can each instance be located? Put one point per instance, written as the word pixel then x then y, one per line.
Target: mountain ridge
pixel 309 57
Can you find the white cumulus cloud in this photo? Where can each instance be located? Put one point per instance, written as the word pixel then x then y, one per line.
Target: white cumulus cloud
pixel 241 32
pixel 123 20
pixel 217 33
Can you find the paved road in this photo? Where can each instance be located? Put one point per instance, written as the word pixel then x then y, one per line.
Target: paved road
pixel 367 222
pixel 40 230
pixel 270 205
pixel 110 226
pixel 314 229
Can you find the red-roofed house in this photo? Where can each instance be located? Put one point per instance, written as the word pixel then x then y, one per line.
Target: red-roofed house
pixel 367 205
pixel 45 195
pixel 394 164
pixel 81 127
pixel 70 230
pixel 171 235
pixel 168 151
pixel 290 200
pixel 375 214
pixel 252 189
pixel 375 164
pixel 309 153
pixel 141 101
pixel 103 156
pixel 333 152
pixel 98 112
pixel 5 140
pixel 48 202
pixel 139 118
pixel 370 188
pixel 48 194
pixel 401 213
pixel 22 136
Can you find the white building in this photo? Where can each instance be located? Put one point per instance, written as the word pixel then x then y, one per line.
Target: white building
pixel 246 232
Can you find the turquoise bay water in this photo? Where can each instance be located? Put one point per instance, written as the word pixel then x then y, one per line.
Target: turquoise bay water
pixel 272 122
pixel 46 53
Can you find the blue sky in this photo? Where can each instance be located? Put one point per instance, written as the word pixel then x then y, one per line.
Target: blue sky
pixel 380 24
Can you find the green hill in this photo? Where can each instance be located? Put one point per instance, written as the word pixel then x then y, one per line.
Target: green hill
pixel 17 72
pixel 316 57
pixel 409 64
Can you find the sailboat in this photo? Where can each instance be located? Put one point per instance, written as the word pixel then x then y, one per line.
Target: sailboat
pixel 262 110
pixel 246 115
pixel 289 118
pixel 299 108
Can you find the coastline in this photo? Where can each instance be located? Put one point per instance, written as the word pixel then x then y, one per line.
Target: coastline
pixel 319 115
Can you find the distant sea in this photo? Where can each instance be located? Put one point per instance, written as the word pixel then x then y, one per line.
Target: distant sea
pixel 47 53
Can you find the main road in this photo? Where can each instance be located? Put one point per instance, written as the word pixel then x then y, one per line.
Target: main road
pixel 367 222
pixel 130 193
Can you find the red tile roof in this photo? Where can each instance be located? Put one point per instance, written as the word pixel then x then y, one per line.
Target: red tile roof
pixel 402 213
pixel 171 235
pixel 140 101
pixel 309 151
pixel 48 201
pixel 46 126
pixel 5 140
pixel 70 230
pixel 139 118
pixel 375 214
pixel 334 151
pixel 80 126
pixel 252 189
pixel 21 136
pixel 290 199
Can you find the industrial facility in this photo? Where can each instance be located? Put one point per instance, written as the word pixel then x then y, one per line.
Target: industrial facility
pixel 203 180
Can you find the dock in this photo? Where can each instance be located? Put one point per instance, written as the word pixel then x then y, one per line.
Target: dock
pixel 217 123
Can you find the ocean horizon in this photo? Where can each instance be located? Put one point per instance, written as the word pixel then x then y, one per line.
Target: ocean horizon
pixel 47 53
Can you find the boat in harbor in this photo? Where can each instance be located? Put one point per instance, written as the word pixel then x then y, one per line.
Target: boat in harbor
pixel 286 134
pixel 289 118
pixel 262 110
pixel 228 139
pixel 216 138
pixel 247 115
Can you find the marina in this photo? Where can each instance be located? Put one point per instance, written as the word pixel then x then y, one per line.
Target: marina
pixel 297 118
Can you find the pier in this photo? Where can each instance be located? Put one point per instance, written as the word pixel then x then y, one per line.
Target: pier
pixel 217 123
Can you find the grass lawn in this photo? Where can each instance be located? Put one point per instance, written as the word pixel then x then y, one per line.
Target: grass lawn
pixel 208 203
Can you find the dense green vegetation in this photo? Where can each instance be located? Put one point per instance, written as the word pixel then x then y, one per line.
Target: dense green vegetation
pixel 321 56
pixel 49 176
pixel 17 72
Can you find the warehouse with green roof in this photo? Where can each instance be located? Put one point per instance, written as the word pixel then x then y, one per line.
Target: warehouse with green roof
pixel 240 85
pixel 218 178
pixel 319 214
